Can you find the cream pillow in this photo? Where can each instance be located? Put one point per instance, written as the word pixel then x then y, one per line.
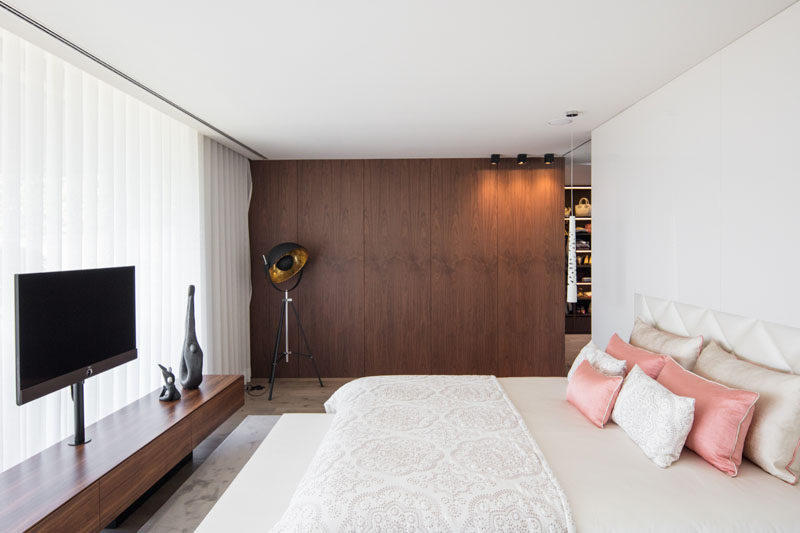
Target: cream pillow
pixel 600 361
pixel 653 417
pixel 683 349
pixel 773 442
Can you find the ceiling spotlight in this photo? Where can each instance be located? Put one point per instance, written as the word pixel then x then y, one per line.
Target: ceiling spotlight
pixel 563 121
pixel 549 159
pixel 566 119
pixel 494 159
pixel 522 159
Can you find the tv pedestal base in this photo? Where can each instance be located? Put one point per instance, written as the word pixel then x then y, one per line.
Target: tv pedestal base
pixel 77 402
pixel 84 488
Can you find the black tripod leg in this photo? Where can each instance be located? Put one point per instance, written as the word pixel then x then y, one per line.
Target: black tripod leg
pixel 275 353
pixel 314 364
pixel 305 340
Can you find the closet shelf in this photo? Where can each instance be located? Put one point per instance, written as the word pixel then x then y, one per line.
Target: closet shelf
pixel 578 315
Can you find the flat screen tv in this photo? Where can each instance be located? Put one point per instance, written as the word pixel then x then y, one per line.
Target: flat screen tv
pixel 72 325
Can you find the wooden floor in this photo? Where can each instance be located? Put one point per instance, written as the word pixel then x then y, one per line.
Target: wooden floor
pixel 573 345
pixel 291 395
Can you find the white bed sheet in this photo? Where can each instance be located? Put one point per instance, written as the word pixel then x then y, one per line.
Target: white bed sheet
pixel 610 484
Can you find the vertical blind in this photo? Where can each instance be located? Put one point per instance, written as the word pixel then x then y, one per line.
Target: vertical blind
pixel 91 177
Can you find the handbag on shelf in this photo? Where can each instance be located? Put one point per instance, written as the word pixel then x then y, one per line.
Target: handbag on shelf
pixel 567 211
pixel 583 208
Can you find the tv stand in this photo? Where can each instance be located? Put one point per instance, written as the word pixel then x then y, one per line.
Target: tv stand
pixel 85 488
pixel 77 400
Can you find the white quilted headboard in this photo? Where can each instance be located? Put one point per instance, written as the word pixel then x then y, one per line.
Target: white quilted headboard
pixel 765 343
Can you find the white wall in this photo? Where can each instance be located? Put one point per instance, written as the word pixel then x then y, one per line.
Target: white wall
pixel 696 188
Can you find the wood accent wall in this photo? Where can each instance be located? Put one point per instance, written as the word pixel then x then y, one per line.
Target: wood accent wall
pixel 444 266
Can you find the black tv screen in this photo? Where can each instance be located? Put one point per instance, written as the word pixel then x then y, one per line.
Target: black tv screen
pixel 71 325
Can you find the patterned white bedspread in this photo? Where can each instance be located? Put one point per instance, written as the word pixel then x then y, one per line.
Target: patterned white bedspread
pixel 426 453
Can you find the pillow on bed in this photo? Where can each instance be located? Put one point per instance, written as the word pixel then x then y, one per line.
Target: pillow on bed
pixel 593 393
pixel 651 363
pixel 683 349
pixel 653 417
pixel 600 361
pixel 773 442
pixel 722 416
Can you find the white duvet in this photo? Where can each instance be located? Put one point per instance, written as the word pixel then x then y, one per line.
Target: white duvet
pixel 426 453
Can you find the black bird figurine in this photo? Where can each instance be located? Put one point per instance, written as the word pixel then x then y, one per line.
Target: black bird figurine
pixel 169 393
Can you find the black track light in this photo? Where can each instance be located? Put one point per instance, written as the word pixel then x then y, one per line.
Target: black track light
pixel 494 159
pixel 522 159
pixel 549 159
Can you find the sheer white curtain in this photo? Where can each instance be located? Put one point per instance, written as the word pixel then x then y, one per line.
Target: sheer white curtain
pixel 225 272
pixel 90 177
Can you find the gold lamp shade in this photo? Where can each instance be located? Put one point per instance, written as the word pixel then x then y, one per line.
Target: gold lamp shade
pixel 284 261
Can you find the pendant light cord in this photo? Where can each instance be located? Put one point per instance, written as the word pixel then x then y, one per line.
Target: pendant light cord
pixel 571 161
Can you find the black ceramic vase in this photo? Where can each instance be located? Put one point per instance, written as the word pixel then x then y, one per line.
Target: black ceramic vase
pixel 192 356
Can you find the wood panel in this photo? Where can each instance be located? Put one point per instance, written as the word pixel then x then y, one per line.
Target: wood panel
pixel 54 483
pixel 79 515
pixel 490 302
pixel 530 281
pixel 397 255
pixel 331 300
pixel 464 266
pixel 215 411
pixel 125 483
pixel 273 219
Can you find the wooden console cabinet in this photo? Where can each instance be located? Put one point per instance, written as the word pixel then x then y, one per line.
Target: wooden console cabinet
pixel 83 488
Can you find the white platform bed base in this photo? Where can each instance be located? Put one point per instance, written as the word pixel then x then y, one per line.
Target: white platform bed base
pixel 610 484
pixel 257 498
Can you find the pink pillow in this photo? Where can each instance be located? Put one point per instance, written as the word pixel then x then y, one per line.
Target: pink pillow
pixel 722 416
pixel 651 363
pixel 593 393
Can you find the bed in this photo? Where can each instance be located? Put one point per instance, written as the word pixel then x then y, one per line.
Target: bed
pixel 609 484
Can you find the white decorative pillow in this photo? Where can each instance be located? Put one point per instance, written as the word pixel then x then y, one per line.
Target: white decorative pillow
pixel 684 350
pixel 773 442
pixel 600 361
pixel 653 417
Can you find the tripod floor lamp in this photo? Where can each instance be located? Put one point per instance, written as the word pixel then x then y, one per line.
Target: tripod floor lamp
pixel 283 262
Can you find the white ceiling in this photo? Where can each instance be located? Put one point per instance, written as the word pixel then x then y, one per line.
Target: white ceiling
pixel 414 78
